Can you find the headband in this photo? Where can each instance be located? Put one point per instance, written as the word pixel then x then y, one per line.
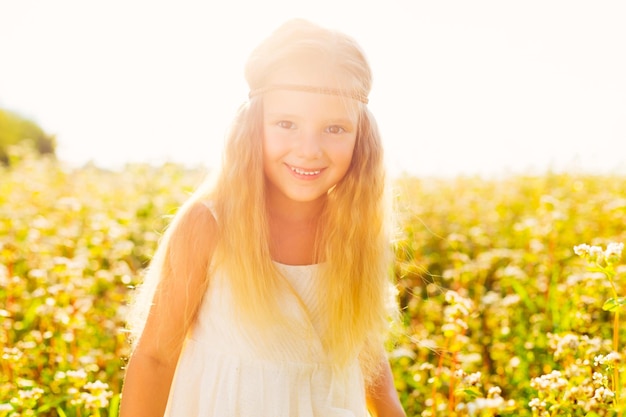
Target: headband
pixel 310 89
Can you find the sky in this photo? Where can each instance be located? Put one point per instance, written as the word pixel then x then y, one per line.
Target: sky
pixel 460 87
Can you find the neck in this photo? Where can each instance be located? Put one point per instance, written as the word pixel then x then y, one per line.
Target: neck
pixel 293 229
pixel 287 211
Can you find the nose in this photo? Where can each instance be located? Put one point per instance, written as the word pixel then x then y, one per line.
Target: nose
pixel 309 145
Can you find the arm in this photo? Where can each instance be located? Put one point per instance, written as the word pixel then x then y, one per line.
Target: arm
pixel 178 296
pixel 382 398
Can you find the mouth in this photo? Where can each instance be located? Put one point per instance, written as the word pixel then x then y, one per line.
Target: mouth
pixel 306 172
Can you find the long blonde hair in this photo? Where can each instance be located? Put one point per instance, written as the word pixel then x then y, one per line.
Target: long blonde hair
pixel 352 242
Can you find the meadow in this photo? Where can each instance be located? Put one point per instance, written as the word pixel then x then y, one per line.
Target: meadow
pixel 501 315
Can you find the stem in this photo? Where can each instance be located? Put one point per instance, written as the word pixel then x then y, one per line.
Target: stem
pixel 451 398
pixel 616 384
pixel 437 375
pixel 610 274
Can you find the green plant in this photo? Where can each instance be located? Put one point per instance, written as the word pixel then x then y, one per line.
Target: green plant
pixel 499 316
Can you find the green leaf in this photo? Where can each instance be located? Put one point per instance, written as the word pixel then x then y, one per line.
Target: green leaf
pixel 613 304
pixel 114 406
pixel 469 392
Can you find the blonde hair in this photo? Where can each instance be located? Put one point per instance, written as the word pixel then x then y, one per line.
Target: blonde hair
pixel 352 244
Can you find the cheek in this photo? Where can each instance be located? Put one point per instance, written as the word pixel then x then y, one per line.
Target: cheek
pixel 274 152
pixel 267 152
pixel 274 144
pixel 269 147
pixel 347 153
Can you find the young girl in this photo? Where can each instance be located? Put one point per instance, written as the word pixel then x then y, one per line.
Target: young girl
pixel 269 293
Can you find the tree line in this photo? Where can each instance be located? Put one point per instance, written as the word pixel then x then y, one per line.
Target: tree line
pixel 16 129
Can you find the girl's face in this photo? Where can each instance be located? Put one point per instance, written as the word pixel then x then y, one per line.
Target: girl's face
pixel 308 138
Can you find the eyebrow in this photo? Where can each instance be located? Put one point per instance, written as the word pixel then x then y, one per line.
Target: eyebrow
pixel 342 121
pixel 331 121
pixel 278 115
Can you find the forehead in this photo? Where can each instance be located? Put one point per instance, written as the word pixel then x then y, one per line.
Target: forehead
pixel 312 106
pixel 312 103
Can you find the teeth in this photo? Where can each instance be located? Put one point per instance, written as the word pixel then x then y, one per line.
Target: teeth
pixel 302 172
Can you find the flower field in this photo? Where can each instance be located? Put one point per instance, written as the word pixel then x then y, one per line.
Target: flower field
pixel 501 315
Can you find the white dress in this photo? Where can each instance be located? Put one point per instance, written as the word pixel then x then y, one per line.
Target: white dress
pixel 222 374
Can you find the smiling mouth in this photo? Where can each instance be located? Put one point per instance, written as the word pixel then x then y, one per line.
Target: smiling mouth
pixel 301 171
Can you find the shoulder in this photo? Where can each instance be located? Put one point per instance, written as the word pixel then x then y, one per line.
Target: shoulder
pixel 197 213
pixel 193 231
pixel 195 216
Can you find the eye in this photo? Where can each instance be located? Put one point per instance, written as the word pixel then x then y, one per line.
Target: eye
pixel 286 124
pixel 335 129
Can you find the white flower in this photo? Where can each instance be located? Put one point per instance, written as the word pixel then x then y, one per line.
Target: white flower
pixel 581 250
pixel 613 252
pixel 614 249
pixel 595 254
pixel 603 394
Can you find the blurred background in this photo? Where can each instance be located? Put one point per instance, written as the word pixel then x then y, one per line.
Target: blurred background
pixel 481 87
